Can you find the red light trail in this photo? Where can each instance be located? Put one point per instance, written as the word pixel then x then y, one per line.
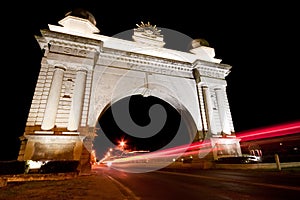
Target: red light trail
pixel 205 146
pixel 270 132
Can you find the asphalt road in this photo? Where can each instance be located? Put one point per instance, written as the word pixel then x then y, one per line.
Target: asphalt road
pixel 207 184
pixel 110 184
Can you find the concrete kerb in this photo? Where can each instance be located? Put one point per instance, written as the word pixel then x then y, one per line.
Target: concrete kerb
pixel 257 166
pixel 4 179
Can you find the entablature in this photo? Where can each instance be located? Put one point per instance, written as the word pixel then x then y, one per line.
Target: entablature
pixel 142 62
pixel 212 70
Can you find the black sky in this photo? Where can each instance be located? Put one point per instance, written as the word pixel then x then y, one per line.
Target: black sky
pixel 259 40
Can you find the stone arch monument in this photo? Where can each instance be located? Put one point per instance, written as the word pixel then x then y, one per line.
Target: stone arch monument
pixel 82 72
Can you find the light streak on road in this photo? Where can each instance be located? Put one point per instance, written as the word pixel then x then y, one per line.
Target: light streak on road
pixel 170 153
pixel 270 132
pixel 194 148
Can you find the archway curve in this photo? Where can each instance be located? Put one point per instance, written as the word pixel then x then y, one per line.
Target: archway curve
pixel 175 135
pixel 186 116
pixel 185 134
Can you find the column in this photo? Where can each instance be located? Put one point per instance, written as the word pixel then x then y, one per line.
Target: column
pixel 53 99
pixel 222 110
pixel 209 109
pixel 202 107
pixel 77 101
pixel 196 75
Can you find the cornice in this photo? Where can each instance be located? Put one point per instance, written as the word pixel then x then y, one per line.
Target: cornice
pixel 212 70
pixel 135 61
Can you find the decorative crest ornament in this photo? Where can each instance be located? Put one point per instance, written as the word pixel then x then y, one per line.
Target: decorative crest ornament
pixel 148 30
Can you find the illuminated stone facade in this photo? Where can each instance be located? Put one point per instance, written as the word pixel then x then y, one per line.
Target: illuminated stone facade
pixel 82 72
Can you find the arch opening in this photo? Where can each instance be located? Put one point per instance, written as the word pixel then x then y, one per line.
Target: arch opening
pixel 158 125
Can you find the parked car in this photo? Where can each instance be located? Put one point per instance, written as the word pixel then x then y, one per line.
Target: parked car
pixel 251 159
pixel 244 159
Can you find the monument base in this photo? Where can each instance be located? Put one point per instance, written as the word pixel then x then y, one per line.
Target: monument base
pixel 43 147
pixel 225 147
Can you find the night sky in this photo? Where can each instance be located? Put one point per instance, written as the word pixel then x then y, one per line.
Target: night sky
pixel 259 41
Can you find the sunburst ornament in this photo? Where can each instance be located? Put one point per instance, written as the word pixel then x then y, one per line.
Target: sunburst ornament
pixel 148 30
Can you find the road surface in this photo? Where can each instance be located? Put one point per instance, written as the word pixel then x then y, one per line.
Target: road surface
pixel 106 183
pixel 208 184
